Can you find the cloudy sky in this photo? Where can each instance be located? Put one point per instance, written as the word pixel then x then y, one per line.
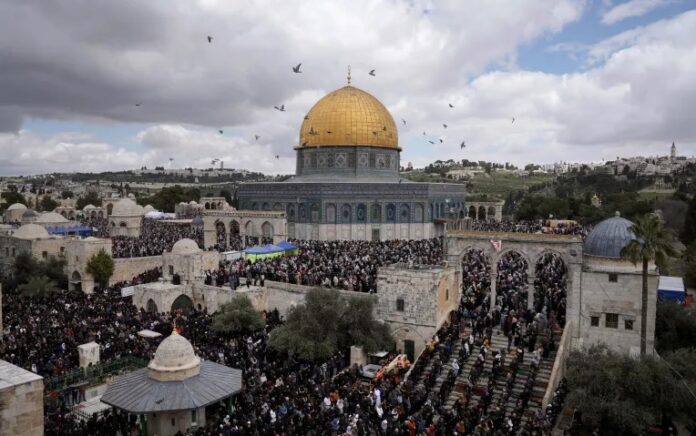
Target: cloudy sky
pixel 584 80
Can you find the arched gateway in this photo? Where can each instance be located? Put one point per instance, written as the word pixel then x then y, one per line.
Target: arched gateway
pixel 531 250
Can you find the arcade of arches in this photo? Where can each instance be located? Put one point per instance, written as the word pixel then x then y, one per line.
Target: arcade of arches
pixel 235 229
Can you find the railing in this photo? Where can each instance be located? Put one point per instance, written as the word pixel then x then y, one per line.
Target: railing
pixel 92 373
pixel 559 365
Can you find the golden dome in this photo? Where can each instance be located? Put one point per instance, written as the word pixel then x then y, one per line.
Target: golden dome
pixel 349 116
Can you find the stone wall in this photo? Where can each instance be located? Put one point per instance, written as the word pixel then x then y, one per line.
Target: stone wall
pixel 21 402
pixel 601 296
pixel 127 268
pixel 416 302
pixel 362 232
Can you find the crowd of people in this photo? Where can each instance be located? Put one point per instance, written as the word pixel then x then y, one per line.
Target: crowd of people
pixel 350 265
pixel 538 226
pixel 283 395
pixel 156 237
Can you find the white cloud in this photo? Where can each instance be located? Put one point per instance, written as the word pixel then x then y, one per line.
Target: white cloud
pixel 632 8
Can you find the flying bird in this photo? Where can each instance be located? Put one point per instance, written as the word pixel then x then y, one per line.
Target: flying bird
pixel 372 72
pixel 430 141
pixel 441 141
pixel 297 68
pixel 281 108
pixel 451 105
pixel 210 39
pixel 462 145
pixel 221 131
pixel 444 125
pixel 256 137
pixel 137 104
pixel 277 156
pixel 423 133
pixel 404 121
pixel 513 120
pixel 171 159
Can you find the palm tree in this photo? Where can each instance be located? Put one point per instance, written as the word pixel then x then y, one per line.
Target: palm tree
pixel 651 242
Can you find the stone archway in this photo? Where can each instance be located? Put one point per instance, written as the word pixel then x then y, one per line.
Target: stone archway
pixel 482 213
pixel 472 212
pixel 267 232
pixel 551 287
pixel 182 303
pixel 75 281
pixel 109 208
pixel 151 306
pixel 220 234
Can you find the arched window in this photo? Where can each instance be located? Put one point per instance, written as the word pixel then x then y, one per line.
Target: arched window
pixel 330 214
pixel 376 213
pixel 361 213
pixel 405 214
pixel 419 213
pixel 391 213
pixel 346 214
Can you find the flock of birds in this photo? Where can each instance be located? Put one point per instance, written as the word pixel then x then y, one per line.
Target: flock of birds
pixel 281 108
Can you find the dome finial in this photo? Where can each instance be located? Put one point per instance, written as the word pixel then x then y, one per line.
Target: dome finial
pixel 348 74
pixel 617 213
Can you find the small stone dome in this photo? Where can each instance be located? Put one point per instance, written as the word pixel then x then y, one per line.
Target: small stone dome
pixel 609 237
pixel 17 206
pixel 89 207
pixel 31 231
pixel 193 202
pixel 51 218
pixel 148 208
pixel 126 207
pixel 29 213
pixel 174 359
pixel 185 246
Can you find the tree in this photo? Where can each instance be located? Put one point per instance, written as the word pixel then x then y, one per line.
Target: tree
pixel 651 243
pixel 101 266
pixel 12 197
pixel 37 287
pixel 47 204
pixel 89 198
pixel 688 234
pixel 623 395
pixel 66 194
pixel 675 327
pixel 227 195
pixel 328 322
pixel 239 315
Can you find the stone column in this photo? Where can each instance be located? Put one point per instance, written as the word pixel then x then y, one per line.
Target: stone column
pixel 493 295
pixel 530 292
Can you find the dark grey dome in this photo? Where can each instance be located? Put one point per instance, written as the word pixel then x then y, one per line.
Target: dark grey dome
pixel 29 213
pixel 608 238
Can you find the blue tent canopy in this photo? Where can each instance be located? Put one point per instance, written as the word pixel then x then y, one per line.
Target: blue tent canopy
pixel 285 245
pixel 257 250
pixel 77 230
pixel 273 248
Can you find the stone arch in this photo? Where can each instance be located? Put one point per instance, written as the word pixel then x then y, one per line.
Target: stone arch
pixel 266 206
pixel 213 206
pixel 278 207
pixel 551 285
pixel 491 213
pixel 75 281
pixel 93 214
pixel 100 214
pixel 122 224
pixel 461 214
pixel 267 230
pixel 330 214
pixel 405 333
pixel 151 306
pixel 482 213
pixel 234 228
pixel 220 233
pixel 109 208
pixel 249 228
pixel 346 213
pixel 513 279
pixel 405 213
pixel 254 206
pixel 219 205
pixel 468 259
pixel 183 302
pixel 472 212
